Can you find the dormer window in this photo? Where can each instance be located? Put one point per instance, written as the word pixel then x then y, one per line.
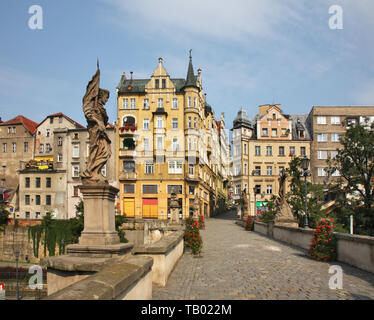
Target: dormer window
pixel 301 134
pixel 157 84
pixel 274 116
pixel 163 83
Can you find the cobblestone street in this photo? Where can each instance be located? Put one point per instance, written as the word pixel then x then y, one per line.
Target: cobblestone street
pixel 237 264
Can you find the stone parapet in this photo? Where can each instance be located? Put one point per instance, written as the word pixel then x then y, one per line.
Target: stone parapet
pixel 125 278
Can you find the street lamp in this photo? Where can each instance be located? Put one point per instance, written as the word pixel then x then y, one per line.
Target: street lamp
pixel 16 253
pixel 305 165
pixel 255 206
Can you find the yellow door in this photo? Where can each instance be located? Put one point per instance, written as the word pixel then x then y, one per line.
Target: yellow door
pixel 150 208
pixel 129 207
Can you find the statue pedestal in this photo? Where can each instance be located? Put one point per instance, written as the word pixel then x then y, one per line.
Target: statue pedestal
pixel 99 221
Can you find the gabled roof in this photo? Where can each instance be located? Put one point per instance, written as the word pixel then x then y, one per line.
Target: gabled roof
pixel 60 114
pixel 27 123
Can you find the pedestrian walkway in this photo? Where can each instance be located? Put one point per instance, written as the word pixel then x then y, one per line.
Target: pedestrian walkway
pixel 238 264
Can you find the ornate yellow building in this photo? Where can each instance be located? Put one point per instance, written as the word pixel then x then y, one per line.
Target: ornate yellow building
pixel 166 141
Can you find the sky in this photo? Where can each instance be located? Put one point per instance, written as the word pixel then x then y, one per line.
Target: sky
pixel 251 52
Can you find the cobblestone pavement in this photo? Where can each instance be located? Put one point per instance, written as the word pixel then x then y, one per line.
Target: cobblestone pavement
pixel 238 264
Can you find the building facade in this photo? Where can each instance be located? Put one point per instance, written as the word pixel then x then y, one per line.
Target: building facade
pixel 17 145
pixel 165 143
pixel 262 149
pixel 327 125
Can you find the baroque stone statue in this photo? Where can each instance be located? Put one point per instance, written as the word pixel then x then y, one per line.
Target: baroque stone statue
pixel 97 120
pixel 284 215
pixel 174 207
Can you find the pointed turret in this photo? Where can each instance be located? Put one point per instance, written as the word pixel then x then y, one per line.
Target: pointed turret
pixel 191 79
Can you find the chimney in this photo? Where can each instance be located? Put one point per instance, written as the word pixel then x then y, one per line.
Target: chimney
pixel 131 74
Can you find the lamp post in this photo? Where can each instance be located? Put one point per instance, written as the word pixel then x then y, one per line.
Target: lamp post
pixel 254 206
pixel 16 253
pixel 305 165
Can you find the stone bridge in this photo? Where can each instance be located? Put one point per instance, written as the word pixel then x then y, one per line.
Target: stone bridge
pixel 237 264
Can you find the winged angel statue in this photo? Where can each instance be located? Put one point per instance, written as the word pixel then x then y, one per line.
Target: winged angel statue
pixel 97 119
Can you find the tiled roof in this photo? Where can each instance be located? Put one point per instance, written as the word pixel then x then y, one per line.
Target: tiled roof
pixel 27 123
pixel 60 114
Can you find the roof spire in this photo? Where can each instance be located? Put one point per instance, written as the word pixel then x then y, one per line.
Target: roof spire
pixel 191 79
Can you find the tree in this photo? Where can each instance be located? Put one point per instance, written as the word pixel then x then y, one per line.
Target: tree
pixel 296 196
pixel 355 163
pixel 4 215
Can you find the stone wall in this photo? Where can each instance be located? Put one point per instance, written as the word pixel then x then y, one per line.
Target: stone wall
pixel 355 250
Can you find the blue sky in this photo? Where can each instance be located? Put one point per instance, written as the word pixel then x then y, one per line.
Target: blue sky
pixel 251 52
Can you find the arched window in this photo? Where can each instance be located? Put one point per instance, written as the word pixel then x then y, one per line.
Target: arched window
pixel 128 121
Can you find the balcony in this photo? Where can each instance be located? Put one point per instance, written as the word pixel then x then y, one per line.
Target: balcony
pixel 127 176
pixel 127 130
pixel 127 153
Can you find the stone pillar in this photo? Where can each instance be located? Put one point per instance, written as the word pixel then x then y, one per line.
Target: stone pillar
pixel 99 218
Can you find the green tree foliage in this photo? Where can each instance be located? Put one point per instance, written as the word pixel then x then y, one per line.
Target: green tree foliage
pixel 296 196
pixel 4 215
pixel 355 163
pixel 271 211
pixel 119 221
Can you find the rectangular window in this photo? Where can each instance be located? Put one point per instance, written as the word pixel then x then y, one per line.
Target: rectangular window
pixel 37 182
pixel 274 133
pixel 157 83
pixel 191 169
pixel 27 200
pixel 189 102
pixel 322 137
pixel 160 103
pixel 125 103
pixel 264 132
pixel 149 167
pixel 281 170
pixel 245 149
pixel 189 122
pixel 146 124
pixel 284 131
pixel 322 172
pixel 146 104
pixel 59 143
pixel 146 144
pixel 41 148
pixel 14 147
pixel 4 147
pixel 175 167
pixel 48 201
pixel 76 151
pixel 257 171
pixel 292 151
pixel 75 171
pixel 159 143
pixel 257 189
pixel 129 188
pixel 194 102
pixel 335 137
pixel 238 189
pixel 25 146
pixel 335 120
pixel 281 151
pixel 175 123
pixel 321 120
pixel 48 182
pixel 257 150
pixel 159 122
pixel 269 189
pixel 59 157
pixel 47 147
pixel 269 150
pixel 27 215
pixel 37 215
pixel 75 191
pixel 269 170
pixel 195 122
pixel 175 145
pixel 27 182
pixel 37 200
pixel 132 103
pixel 128 166
pixel 150 188
pixel 163 83
pixel 48 131
pixel 322 155
pixel 334 153
pixel 177 188
pixel 191 190
pixel 175 103
pixel 238 169
pixel 303 151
